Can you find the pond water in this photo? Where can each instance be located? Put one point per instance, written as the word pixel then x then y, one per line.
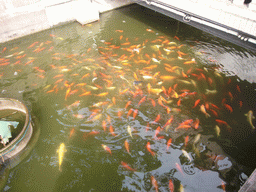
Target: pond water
pixel 141 102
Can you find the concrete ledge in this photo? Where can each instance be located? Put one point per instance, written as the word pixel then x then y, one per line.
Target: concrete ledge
pixel 250 184
pixel 20 18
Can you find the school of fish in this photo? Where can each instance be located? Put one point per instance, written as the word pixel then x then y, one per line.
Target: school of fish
pixel 129 76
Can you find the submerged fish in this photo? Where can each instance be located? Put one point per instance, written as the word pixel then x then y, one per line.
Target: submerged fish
pixel 185 153
pixel 217 129
pixel 250 117
pixel 208 91
pixel 129 130
pixel 61 152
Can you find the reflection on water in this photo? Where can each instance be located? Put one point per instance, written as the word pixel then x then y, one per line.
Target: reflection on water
pixel 139 104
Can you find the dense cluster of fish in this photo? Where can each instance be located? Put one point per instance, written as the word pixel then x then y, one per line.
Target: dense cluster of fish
pixel 132 77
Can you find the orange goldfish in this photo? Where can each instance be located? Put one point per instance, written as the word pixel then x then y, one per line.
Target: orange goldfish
pixel 179 168
pixel 167 78
pixel 171 186
pixel 126 145
pixel 119 114
pixel 196 123
pixel 106 148
pixel 169 142
pixel 135 112
pixel 223 186
pixel 142 100
pixel 178 102
pixel 228 107
pixel 168 122
pixel 125 165
pixel 186 140
pixel 154 183
pixel 182 127
pixel 189 62
pixel 114 100
pixel 153 102
pixel 67 93
pixel 102 94
pixel 149 149
pixel 196 103
pixel 129 112
pixel 111 129
pixel 157 131
pixel 157 118
pixel 71 132
pixel 104 125
pixel 85 93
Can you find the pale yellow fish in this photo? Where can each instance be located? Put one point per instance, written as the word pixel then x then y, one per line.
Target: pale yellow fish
pixel 96 117
pixel 185 81
pixel 160 83
pixel 30 58
pixel 217 73
pixel 172 43
pixel 156 60
pixel 8 56
pixel 203 110
pixel 65 70
pixel 87 68
pixel 250 117
pixel 193 83
pixel 197 138
pixel 110 105
pixel 174 94
pixel 217 129
pixel 129 129
pixel 61 152
pixel 185 153
pixel 117 67
pixel 167 50
pixel 122 77
pixel 156 47
pixel 147 77
pixel 110 88
pixel 92 87
pixel 20 53
pixel 47 86
pixel 181 188
pixel 156 91
pixel 208 91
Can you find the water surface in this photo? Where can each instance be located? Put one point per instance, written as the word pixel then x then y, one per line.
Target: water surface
pixel 142 102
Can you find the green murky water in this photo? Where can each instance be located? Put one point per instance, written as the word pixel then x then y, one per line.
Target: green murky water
pixel 141 102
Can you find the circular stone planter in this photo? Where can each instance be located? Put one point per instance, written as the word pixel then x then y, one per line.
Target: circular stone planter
pixel 14 110
pixel 23 139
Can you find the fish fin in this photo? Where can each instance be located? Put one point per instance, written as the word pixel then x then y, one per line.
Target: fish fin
pixel 207 115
